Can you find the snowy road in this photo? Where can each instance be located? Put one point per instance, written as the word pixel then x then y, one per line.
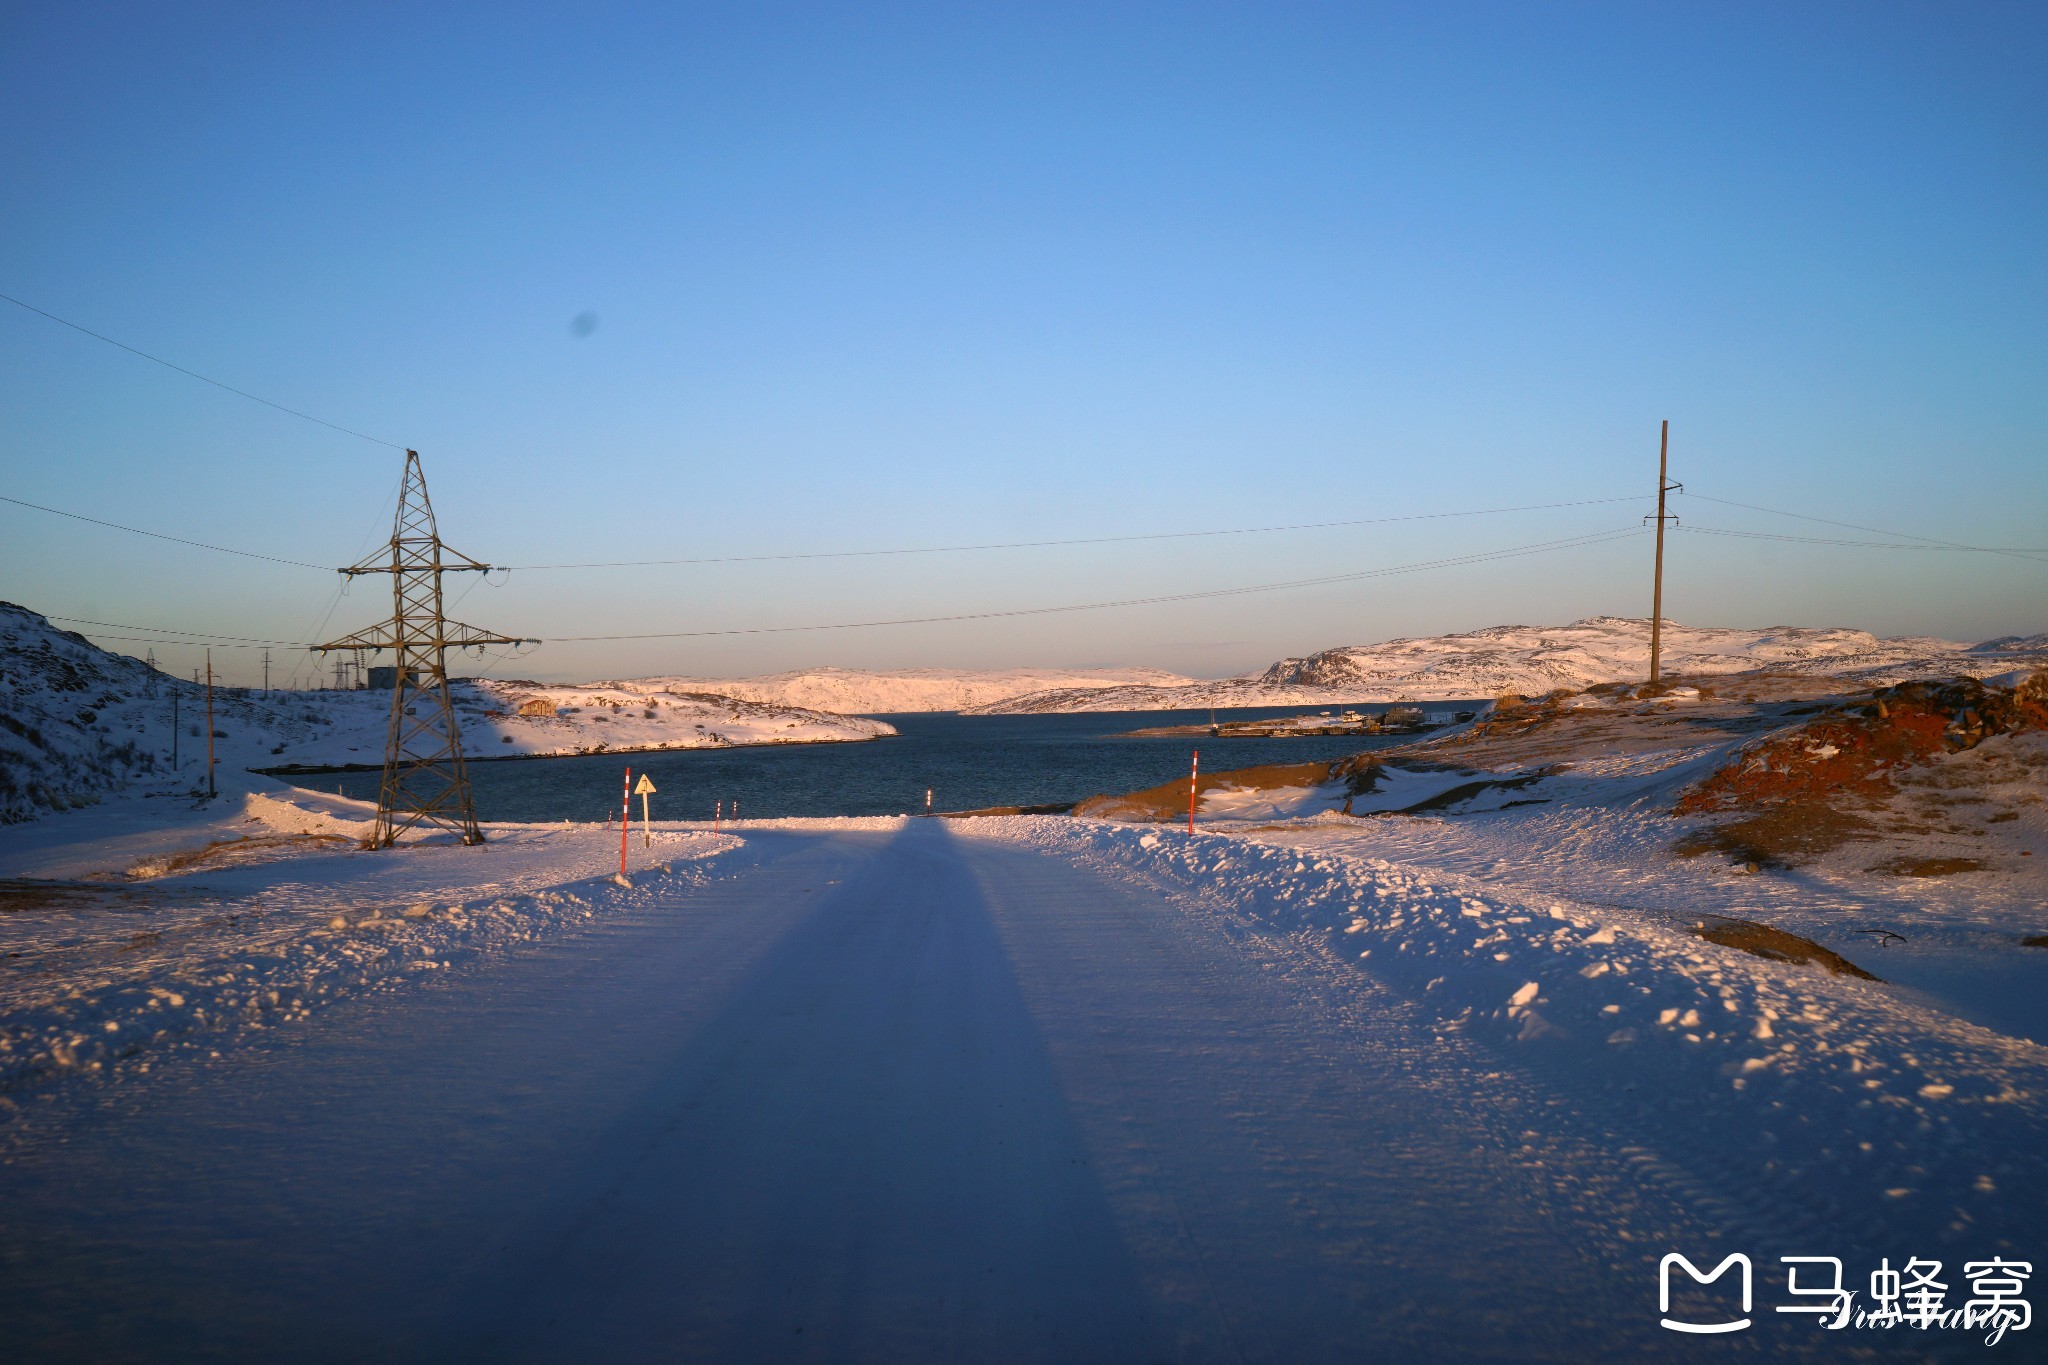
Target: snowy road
pixel 887 1095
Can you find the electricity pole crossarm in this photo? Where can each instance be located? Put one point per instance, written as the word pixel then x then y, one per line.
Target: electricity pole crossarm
pixel 376 637
pixel 455 635
pixel 450 635
pixel 439 558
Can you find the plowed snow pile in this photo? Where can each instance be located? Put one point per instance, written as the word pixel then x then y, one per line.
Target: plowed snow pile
pixel 1849 1025
pixel 1903 830
pixel 1798 1083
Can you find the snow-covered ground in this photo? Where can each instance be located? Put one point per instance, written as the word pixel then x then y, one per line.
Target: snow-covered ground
pixel 1024 1088
pixel 1829 1092
pixel 856 691
pixel 1937 883
pixel 1530 661
pixel 77 722
pixel 1441 1078
pixel 145 924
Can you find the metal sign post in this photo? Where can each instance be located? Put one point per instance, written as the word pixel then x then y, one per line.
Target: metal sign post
pixel 644 790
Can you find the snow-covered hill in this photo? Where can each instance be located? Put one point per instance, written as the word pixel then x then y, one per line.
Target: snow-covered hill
pixel 1531 660
pixel 77 721
pixel 853 691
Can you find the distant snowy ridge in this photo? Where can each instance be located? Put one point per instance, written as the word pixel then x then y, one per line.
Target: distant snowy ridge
pixel 77 722
pixel 1532 660
pixel 852 691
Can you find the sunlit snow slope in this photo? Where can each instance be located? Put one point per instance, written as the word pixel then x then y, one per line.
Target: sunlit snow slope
pixel 863 692
pixel 1532 660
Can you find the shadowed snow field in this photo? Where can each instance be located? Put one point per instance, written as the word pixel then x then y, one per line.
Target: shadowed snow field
pixel 1019 1089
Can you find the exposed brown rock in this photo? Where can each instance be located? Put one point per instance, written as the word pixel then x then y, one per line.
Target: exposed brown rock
pixel 1762 940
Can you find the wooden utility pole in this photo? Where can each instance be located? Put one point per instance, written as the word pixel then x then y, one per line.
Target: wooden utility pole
pixel 1664 485
pixel 209 722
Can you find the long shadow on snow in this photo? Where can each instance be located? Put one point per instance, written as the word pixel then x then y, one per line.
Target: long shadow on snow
pixel 866 1155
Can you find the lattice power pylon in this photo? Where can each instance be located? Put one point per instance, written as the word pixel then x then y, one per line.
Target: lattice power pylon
pixel 425 781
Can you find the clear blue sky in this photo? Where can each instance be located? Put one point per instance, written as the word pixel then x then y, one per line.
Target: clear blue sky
pixel 868 276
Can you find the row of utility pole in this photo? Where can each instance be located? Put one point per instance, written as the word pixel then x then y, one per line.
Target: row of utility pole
pixel 209 722
pixel 350 675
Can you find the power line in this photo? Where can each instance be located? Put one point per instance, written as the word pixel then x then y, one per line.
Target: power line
pixel 341 584
pixel 1923 546
pixel 242 393
pixel 862 554
pixel 158 535
pixel 1569 542
pixel 1083 540
pixel 160 640
pixel 164 635
pixel 2016 552
pixel 200 636
pixel 2011 551
pixel 853 554
pixel 333 601
pixel 1595 538
pixel 1926 544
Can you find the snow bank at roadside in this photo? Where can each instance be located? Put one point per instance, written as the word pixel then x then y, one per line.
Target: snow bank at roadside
pixel 296 810
pixel 283 969
pixel 1820 1087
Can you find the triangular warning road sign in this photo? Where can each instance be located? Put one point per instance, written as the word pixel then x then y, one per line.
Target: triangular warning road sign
pixel 644 787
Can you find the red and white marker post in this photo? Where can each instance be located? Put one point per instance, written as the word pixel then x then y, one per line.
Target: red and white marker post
pixel 1194 771
pixel 625 818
